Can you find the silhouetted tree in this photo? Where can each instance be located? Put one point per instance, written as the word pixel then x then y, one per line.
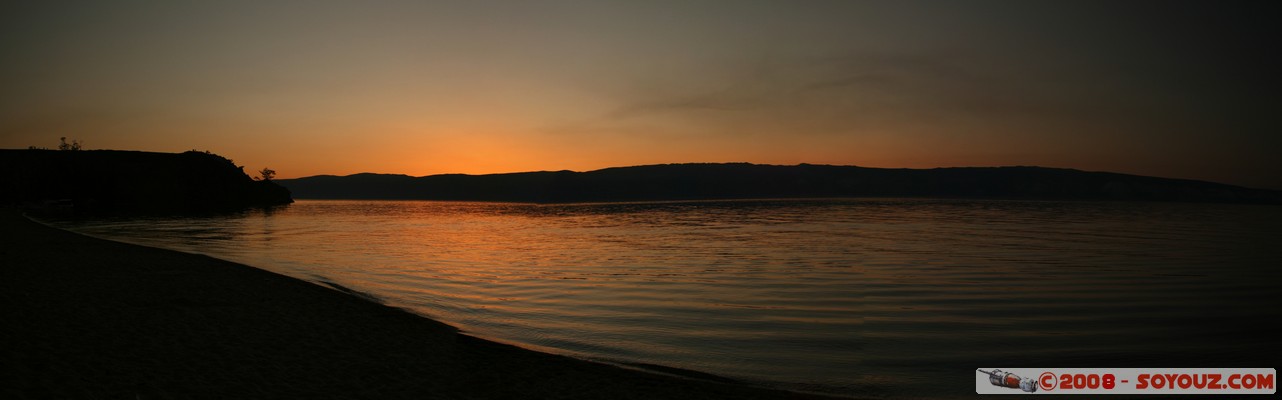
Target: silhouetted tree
pixel 74 145
pixel 267 174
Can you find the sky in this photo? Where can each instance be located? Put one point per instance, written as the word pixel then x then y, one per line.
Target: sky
pixel 1166 88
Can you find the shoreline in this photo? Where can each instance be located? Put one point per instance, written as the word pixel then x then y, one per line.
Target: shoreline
pixel 93 318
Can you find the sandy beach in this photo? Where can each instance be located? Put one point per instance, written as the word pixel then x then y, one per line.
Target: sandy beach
pixel 94 319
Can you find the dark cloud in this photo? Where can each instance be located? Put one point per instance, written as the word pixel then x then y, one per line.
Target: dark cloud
pixel 850 87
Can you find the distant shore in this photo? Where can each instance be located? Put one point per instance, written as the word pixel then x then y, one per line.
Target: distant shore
pixel 91 318
pixel 705 181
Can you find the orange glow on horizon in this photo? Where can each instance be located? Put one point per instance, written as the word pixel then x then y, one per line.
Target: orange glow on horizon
pixel 421 89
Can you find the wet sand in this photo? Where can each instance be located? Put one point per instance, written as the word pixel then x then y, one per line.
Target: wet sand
pixel 94 319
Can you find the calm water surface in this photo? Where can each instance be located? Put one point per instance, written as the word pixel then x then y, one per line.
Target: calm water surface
pixel 870 298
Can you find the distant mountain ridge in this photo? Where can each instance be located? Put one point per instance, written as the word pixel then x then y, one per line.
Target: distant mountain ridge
pixel 743 181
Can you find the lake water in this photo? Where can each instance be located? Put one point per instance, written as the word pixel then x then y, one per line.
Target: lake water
pixel 868 297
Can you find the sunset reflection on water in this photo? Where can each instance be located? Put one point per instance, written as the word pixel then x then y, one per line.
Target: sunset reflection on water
pixel 871 297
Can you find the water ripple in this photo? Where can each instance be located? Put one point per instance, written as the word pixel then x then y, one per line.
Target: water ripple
pixel 873 297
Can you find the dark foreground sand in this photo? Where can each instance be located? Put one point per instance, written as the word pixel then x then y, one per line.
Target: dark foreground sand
pixel 83 318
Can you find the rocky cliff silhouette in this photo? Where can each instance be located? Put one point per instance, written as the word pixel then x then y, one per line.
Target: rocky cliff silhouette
pixel 131 181
pixel 741 181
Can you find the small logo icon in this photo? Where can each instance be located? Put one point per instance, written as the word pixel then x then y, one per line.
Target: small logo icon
pixel 1008 380
pixel 1047 381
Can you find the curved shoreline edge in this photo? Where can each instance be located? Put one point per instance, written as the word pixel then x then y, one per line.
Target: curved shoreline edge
pixel 93 318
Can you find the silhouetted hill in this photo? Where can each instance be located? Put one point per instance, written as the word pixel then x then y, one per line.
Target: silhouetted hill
pixel 131 181
pixel 739 180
